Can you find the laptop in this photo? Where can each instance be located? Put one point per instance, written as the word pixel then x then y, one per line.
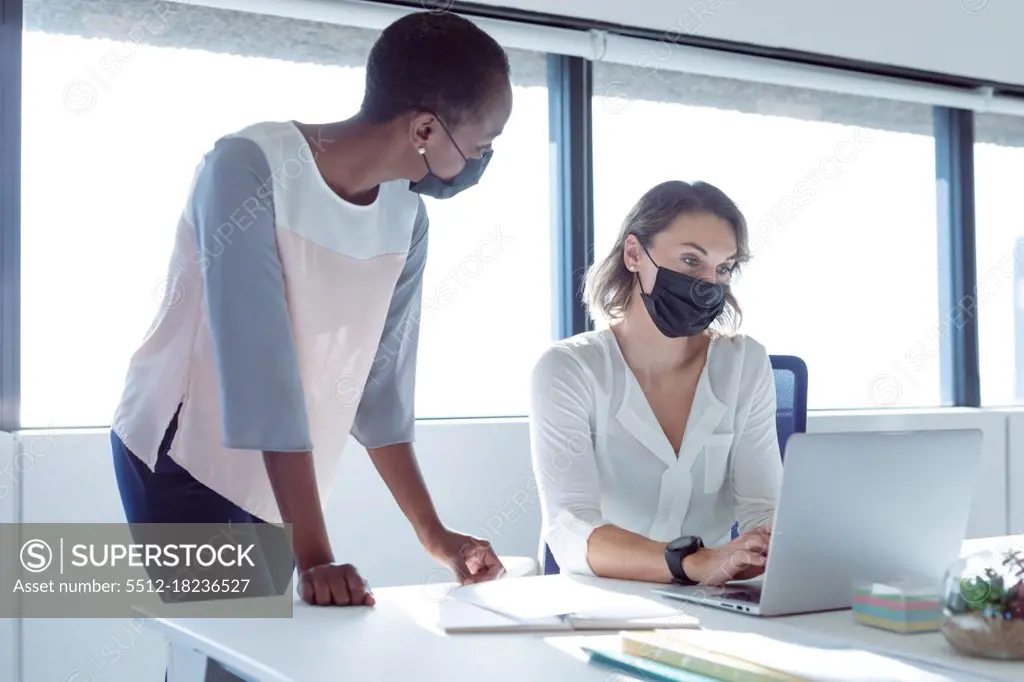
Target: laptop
pixel 857 507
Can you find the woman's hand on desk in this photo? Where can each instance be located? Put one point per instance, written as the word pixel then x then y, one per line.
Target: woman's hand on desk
pixel 471 559
pixel 334 585
pixel 742 559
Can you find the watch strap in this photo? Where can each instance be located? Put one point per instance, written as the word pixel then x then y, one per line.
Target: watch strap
pixel 675 559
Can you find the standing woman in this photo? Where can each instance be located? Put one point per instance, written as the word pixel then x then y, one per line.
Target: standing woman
pixel 292 308
pixel 650 438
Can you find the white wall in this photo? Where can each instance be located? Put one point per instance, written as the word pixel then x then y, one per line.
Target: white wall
pixel 976 38
pixel 9 645
pixel 479 474
pixel 480 478
pixel 68 477
pixel 989 513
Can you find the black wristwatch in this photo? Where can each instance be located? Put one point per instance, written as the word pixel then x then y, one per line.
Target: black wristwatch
pixel 677 550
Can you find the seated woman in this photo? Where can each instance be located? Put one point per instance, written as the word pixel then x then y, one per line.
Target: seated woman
pixel 652 437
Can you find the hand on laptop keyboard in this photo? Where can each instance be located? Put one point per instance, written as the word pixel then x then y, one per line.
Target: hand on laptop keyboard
pixel 742 559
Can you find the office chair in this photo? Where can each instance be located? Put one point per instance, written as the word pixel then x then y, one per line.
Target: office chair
pixel 790 417
pixel 790 402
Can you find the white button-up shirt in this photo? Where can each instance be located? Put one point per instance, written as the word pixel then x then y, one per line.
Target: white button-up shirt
pixel 601 457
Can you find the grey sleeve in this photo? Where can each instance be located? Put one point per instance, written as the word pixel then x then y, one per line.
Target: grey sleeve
pixel 262 400
pixel 386 413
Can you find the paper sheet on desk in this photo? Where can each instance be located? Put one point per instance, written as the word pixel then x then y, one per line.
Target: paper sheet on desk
pixel 557 595
pixel 455 616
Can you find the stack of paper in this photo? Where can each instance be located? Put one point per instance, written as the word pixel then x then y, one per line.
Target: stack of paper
pixel 747 657
pixel 553 603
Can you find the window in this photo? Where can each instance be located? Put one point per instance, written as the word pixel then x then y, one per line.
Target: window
pixel 121 100
pixel 998 167
pixel 487 292
pixel 839 194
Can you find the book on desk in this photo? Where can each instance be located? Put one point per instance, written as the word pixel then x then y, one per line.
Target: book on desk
pixel 700 655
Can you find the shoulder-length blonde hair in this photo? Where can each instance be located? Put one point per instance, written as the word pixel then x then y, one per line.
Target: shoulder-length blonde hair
pixel 609 284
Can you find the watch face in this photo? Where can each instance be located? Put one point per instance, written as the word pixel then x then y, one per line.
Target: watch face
pixel 683 542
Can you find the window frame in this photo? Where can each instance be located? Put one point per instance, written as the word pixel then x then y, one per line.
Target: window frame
pixel 960 369
pixel 570 101
pixel 570 88
pixel 10 214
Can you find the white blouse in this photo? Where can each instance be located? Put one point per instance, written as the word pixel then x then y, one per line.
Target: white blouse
pixel 600 456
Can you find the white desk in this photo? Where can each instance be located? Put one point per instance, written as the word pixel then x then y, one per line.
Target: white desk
pixel 391 642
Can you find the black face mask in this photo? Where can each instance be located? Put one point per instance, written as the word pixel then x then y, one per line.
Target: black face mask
pixel 435 186
pixel 681 305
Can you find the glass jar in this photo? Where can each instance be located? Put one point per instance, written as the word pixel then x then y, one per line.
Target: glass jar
pixel 983 605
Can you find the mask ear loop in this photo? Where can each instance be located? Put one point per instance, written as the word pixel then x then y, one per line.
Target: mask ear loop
pixel 637 273
pixel 451 137
pixel 423 150
pixel 423 153
pixel 648 253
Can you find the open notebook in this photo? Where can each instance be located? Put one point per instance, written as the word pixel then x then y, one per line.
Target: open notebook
pixel 553 603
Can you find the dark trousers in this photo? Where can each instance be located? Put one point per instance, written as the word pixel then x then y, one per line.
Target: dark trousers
pixel 169 494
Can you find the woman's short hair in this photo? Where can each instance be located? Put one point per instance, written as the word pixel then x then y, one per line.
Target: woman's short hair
pixel 609 284
pixel 433 61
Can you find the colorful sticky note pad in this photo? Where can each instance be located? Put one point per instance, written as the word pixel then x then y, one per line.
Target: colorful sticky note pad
pixel 898 607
